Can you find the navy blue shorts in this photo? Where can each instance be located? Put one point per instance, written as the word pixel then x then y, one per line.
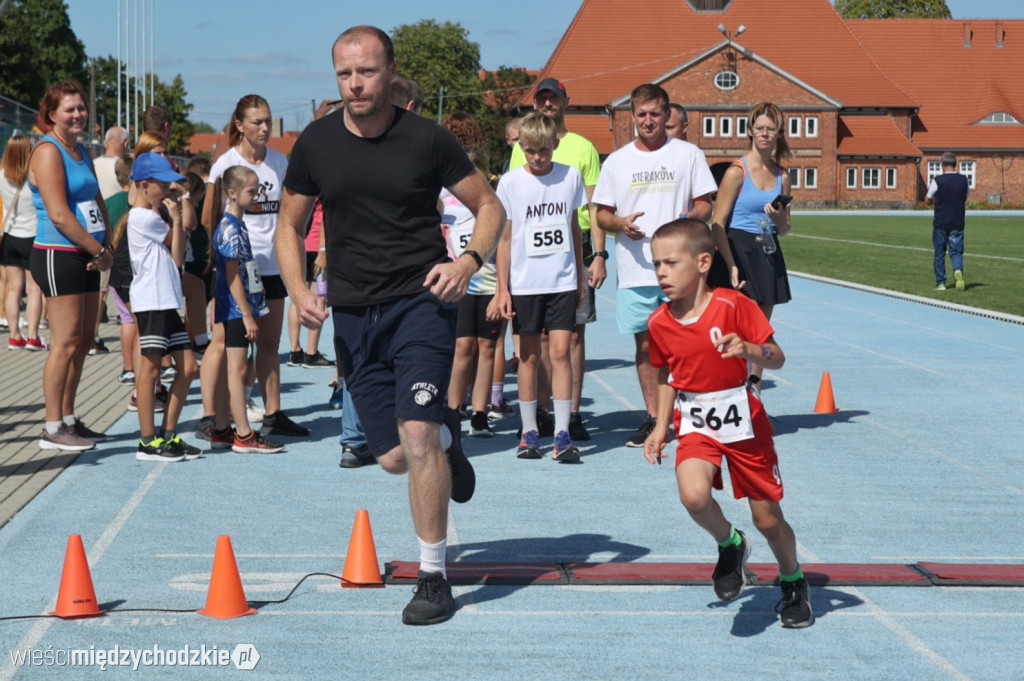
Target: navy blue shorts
pixel 397 359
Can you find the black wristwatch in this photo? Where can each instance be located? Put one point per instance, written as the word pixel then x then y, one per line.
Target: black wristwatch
pixel 601 254
pixel 475 256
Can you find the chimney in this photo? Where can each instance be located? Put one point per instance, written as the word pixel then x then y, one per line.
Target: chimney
pixel 967 34
pixel 1000 34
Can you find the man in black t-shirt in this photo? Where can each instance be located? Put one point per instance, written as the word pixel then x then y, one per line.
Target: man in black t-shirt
pixel 392 288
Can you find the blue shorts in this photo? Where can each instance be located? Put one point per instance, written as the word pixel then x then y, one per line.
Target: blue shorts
pixel 635 305
pixel 397 359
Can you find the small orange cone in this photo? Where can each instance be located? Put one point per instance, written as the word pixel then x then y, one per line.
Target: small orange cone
pixel 225 598
pixel 361 567
pixel 826 403
pixel 76 597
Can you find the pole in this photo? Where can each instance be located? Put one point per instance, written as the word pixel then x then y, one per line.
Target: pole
pixel 440 101
pixel 117 68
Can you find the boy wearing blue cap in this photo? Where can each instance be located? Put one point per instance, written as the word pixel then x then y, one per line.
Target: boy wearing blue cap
pixel 156 244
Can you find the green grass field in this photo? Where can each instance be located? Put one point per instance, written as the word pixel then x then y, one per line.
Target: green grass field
pixel 896 253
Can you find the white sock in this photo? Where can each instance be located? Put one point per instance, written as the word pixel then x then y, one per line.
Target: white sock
pixel 53 426
pixel 528 412
pixel 432 556
pixel 562 409
pixel 446 437
pixel 70 419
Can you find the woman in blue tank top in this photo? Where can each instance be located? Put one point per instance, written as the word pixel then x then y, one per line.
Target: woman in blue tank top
pixel 70 252
pixel 748 218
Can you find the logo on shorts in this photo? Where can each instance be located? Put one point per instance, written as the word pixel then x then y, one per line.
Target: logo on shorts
pixel 424 393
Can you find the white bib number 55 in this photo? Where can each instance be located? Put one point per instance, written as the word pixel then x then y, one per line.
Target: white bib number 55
pixel 723 415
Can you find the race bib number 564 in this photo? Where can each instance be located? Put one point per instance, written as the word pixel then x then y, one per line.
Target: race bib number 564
pixel 722 415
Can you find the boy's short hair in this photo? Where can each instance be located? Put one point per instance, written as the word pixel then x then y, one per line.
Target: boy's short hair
pixel 536 129
pixel 200 165
pixel 696 236
pixel 123 169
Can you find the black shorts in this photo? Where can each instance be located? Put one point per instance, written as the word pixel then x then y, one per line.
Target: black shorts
pixel 63 273
pixel 273 287
pixel 234 334
pixel 161 332
pixel 310 262
pixel 767 281
pixel 198 269
pixel 397 359
pixel 473 318
pixel 586 313
pixel 17 251
pixel 545 312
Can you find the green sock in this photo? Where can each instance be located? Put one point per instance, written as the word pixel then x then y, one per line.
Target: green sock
pixel 733 540
pixel 799 574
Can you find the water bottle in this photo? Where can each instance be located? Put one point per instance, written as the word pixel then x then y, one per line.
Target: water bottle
pixel 321 285
pixel 767 239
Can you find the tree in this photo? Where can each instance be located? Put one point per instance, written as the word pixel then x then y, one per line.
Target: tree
pixel 38 48
pixel 440 55
pixel 893 9
pixel 502 89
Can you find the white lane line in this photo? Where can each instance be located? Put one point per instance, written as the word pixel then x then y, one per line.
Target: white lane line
pixel 675 614
pixel 39 629
pixel 897 247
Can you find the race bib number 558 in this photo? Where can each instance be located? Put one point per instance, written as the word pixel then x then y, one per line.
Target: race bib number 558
pixel 722 415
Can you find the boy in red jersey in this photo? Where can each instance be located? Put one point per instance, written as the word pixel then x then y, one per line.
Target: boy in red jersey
pixel 701 341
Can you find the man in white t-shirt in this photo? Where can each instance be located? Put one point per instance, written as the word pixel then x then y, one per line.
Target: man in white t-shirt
pixel 643 185
pixel 115 142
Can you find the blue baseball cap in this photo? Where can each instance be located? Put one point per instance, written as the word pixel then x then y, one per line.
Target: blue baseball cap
pixel 150 166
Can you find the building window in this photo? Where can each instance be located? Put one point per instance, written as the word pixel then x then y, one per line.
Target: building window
pixel 810 178
pixel 871 178
pixel 709 126
pixel 726 80
pixel 967 168
pixel 851 178
pixel 741 126
pixel 811 126
pixel 890 178
pixel 794 178
pixel 725 126
pixel 999 118
pixel 794 126
pixel 934 169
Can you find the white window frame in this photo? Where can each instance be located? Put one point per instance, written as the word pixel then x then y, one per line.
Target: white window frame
pixel 741 126
pixel 968 169
pixel 871 177
pixel 851 178
pixel 725 126
pixel 811 126
pixel 811 178
pixel 794 178
pixel 794 126
pixel 726 75
pixel 891 177
pixel 708 126
pixel 934 170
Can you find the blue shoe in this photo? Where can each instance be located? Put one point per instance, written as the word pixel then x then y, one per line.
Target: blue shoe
pixel 337 397
pixel 565 451
pixel 529 446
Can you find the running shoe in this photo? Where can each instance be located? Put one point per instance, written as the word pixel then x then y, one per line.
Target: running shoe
pixel 729 576
pixel 529 446
pixel 86 433
pixel 565 451
pixel 167 374
pixel 295 358
pixel 479 425
pixel 222 439
pixel 545 423
pixel 176 444
pixel 337 400
pixel 496 412
pixel 98 348
pixel 204 427
pixel 159 404
pixel 317 361
pixel 642 433
pixel 254 443
pixel 127 377
pixel 577 431
pixel 64 440
pixel 463 475
pixel 35 344
pixel 253 411
pixel 278 423
pixel 795 607
pixel 353 456
pixel 941 286
pixel 17 343
pixel 432 602
pixel 958 276
pixel 156 450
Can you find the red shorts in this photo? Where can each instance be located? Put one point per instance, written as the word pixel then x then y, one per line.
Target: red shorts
pixel 753 464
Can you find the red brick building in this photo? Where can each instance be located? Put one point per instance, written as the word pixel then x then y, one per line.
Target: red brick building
pixel 870 104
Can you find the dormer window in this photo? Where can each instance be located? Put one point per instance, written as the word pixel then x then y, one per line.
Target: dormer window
pixel 999 118
pixel 726 80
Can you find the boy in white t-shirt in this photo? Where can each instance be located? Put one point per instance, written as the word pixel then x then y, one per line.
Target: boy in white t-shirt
pixel 157 250
pixel 540 281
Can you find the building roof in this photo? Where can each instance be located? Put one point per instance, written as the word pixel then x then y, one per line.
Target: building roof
pixel 873 136
pixel 216 143
pixel 957 85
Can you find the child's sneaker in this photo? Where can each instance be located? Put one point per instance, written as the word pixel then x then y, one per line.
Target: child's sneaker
pixel 253 411
pixel 35 344
pixel 529 446
pixel 204 427
pixel 545 423
pixel 795 607
pixel 577 431
pixel 316 361
pixel 729 576
pixel 176 444
pixel 167 374
pixel 295 358
pixel 255 443
pixel 496 412
pixel 127 377
pixel 16 343
pixel 156 450
pixel 222 439
pixel 479 425
pixel 565 451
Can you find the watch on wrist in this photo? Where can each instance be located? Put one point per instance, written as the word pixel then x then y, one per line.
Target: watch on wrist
pixel 102 252
pixel 601 254
pixel 475 256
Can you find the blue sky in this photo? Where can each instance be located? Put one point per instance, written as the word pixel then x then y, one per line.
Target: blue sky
pixel 224 50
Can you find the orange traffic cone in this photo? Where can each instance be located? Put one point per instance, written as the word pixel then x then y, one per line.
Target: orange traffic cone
pixel 826 403
pixel 361 566
pixel 225 598
pixel 76 597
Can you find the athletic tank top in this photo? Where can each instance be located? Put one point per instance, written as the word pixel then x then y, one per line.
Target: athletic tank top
pixel 749 207
pixel 80 187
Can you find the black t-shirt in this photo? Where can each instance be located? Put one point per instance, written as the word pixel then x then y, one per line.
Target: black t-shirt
pixel 380 202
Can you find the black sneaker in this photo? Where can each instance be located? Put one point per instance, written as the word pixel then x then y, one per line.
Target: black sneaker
pixel 156 450
pixel 278 423
pixel 356 457
pixel 176 444
pixel 205 427
pixel 463 475
pixel 295 358
pixel 480 425
pixel 316 361
pixel 795 607
pixel 432 602
pixel 545 423
pixel 577 431
pixel 645 429
pixel 87 433
pixel 729 576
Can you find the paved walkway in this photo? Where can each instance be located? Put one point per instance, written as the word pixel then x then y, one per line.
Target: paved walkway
pixel 25 469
